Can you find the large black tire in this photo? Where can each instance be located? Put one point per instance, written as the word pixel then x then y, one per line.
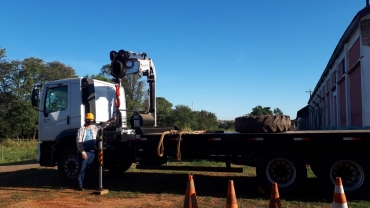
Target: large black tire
pixel 262 124
pixel 351 167
pixel 282 167
pixel 288 123
pixel 69 164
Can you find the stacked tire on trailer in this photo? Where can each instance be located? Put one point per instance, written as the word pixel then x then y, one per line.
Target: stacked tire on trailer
pixel 262 124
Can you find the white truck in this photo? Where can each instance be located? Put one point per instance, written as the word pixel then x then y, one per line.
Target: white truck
pixel 63 104
pixel 263 142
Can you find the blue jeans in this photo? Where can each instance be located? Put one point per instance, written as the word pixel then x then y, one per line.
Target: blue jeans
pixel 85 166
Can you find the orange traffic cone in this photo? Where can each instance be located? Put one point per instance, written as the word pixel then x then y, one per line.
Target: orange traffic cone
pixel 275 197
pixel 231 197
pixel 339 198
pixel 190 196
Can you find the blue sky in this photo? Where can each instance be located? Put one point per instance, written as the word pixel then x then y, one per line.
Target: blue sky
pixel 222 56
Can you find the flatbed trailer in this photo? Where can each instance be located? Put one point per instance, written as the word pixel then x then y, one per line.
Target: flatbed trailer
pixel 278 157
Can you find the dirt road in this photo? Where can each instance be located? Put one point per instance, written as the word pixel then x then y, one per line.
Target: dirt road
pixel 33 186
pixel 30 185
pixel 12 168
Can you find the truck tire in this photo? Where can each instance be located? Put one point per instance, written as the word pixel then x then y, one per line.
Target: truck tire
pixel 278 124
pixel 351 167
pixel 262 124
pixel 288 123
pixel 282 167
pixel 69 164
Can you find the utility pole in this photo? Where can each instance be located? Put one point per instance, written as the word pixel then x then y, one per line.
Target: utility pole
pixel 192 105
pixel 310 91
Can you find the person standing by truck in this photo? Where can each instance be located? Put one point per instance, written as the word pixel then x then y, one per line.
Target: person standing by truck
pixel 85 140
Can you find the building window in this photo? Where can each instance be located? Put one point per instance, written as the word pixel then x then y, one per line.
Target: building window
pixel 333 79
pixel 342 67
pixel 327 85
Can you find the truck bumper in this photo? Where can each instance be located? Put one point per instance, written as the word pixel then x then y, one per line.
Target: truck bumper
pixel 45 153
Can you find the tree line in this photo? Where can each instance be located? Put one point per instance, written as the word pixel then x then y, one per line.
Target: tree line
pixel 259 110
pixel 17 79
pixel 18 118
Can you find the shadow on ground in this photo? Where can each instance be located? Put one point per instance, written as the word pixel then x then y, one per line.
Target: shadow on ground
pixel 24 162
pixel 157 183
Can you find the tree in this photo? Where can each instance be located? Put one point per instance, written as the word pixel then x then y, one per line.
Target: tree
pixel 259 110
pixel 188 120
pixel 227 125
pixel 135 93
pixel 17 79
pixel 17 117
pixel 164 111
pixel 183 117
pixel 105 71
pixel 98 77
pixel 277 111
pixel 205 120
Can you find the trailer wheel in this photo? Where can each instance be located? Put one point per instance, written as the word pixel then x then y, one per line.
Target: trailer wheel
pixel 284 168
pixel 351 167
pixel 69 164
pixel 260 124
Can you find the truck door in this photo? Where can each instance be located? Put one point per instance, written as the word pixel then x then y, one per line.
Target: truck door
pixel 56 115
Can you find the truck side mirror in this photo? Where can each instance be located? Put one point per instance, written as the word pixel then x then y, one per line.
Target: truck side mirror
pixel 35 97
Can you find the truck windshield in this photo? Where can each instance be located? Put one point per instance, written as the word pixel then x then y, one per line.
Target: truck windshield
pixel 56 99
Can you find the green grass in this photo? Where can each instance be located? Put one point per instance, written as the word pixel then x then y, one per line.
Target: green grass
pixel 12 151
pixel 165 185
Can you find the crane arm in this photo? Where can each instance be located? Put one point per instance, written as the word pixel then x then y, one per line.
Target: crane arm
pixel 127 62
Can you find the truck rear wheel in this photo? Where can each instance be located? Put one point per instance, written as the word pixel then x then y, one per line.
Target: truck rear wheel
pixel 351 167
pixel 69 164
pixel 284 168
pixel 262 124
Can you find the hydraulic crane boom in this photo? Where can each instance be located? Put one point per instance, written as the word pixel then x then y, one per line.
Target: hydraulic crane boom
pixel 127 62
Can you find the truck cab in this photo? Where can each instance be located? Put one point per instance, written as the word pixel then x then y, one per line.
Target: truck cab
pixel 62 106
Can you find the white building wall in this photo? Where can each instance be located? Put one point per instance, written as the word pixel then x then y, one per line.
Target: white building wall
pixel 361 32
pixel 353 38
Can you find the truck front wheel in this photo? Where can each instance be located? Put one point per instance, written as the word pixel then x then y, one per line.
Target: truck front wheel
pixel 284 168
pixel 351 167
pixel 69 164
